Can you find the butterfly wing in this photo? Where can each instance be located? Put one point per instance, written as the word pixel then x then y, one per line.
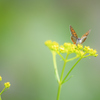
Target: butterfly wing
pixel 73 39
pixel 73 32
pixel 84 37
pixel 74 36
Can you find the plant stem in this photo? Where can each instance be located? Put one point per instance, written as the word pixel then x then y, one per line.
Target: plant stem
pixel 55 66
pixel 67 79
pixel 72 58
pixel 60 82
pixel 3 90
pixel 71 70
pixel 0 97
pixel 63 68
pixel 86 56
pixel 61 56
pixel 59 89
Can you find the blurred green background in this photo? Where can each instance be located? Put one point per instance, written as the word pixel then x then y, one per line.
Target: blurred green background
pixel 27 63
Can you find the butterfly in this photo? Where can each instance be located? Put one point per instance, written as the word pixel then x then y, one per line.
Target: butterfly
pixel 75 38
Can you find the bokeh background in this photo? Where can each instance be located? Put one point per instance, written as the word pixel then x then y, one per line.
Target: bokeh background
pixel 27 63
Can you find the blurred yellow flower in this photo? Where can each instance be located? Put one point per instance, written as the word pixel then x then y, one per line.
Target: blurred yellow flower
pixel 62 49
pixel 7 84
pixel 0 78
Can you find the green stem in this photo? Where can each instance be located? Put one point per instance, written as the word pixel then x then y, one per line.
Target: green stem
pixel 86 56
pixel 61 56
pixel 60 82
pixel 63 68
pixel 70 70
pixel 67 79
pixel 55 66
pixel 2 90
pixel 72 58
pixel 0 97
pixel 59 89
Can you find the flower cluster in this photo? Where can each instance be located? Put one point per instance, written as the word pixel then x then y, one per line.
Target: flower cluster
pixel 52 45
pixel 69 48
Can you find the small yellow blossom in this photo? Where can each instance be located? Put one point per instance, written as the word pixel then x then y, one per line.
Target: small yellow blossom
pixel 67 45
pixel 0 78
pixel 48 42
pixel 52 45
pixel 86 49
pixel 62 49
pixel 95 51
pixel 92 52
pixel 74 46
pixel 55 46
pixel 81 53
pixel 79 46
pixel 7 84
pixel 72 49
pixel 77 51
pixel 95 55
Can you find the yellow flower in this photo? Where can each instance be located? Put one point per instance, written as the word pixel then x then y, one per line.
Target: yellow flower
pixel 79 46
pixel 95 55
pixel 7 84
pixel 67 45
pixel 52 45
pixel 55 46
pixel 86 49
pixel 93 52
pixel 74 46
pixel 79 53
pixel 72 49
pixel 48 42
pixel 62 49
pixel 0 78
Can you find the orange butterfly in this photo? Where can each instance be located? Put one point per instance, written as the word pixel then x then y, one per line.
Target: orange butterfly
pixel 75 38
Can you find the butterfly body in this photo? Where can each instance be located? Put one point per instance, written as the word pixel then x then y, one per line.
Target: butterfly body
pixel 78 41
pixel 75 38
